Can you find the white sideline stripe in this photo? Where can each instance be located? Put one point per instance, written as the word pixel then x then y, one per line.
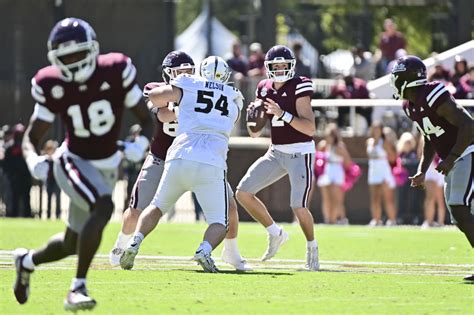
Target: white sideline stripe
pixel 8 254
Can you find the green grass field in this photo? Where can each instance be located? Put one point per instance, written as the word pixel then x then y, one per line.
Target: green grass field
pixel 403 270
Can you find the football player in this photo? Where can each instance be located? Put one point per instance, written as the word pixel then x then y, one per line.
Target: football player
pixel 448 130
pixel 89 92
pixel 287 100
pixel 196 161
pixel 175 63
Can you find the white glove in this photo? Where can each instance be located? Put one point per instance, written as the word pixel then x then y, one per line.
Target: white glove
pixel 38 166
pixel 135 151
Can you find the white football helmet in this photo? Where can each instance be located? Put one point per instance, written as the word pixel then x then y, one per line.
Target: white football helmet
pixel 215 68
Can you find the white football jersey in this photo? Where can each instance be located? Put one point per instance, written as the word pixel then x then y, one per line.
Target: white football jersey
pixel 208 111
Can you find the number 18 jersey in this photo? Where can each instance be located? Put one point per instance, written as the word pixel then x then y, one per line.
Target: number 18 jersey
pixel 207 113
pixel 91 111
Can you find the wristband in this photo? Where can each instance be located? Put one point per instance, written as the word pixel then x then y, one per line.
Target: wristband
pixel 287 117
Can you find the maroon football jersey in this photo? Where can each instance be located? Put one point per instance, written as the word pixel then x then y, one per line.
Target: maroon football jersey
pixel 285 97
pixel 165 132
pixel 437 131
pixel 91 111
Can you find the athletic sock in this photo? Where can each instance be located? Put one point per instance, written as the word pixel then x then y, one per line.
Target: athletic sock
pixel 230 244
pixel 205 247
pixel 312 244
pixel 77 283
pixel 27 261
pixel 122 240
pixel 137 239
pixel 273 229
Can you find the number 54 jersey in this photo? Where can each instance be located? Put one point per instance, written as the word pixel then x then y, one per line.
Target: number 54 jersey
pixel 435 129
pixel 208 111
pixel 91 111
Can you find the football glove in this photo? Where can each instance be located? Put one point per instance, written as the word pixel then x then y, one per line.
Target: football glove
pixel 135 151
pixel 38 166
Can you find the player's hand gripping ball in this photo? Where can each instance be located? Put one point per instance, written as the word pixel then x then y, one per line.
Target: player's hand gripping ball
pixel 256 116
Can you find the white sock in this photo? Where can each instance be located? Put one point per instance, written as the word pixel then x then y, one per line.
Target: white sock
pixel 28 261
pixel 122 240
pixel 273 229
pixel 77 282
pixel 230 244
pixel 137 238
pixel 206 247
pixel 312 244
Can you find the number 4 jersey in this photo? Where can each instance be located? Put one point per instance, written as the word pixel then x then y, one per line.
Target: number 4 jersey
pixel 207 113
pixel 436 130
pixel 91 111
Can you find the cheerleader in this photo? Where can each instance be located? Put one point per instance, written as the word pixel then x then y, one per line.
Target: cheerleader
pixel 332 179
pixel 381 153
pixel 434 185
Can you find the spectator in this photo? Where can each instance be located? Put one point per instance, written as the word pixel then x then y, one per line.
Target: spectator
pixel 199 214
pixel 256 60
pixel 461 78
pixel 18 175
pixel 302 67
pixel 237 62
pixel 440 73
pixel 408 199
pixel 398 54
pixel 52 187
pixel 132 169
pixel 363 65
pixel 381 153
pixel 468 82
pixel 460 69
pixel 390 41
pixel 5 192
pixel 348 88
pixel 332 179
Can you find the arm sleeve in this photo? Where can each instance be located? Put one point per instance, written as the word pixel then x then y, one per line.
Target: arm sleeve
pixel 41 110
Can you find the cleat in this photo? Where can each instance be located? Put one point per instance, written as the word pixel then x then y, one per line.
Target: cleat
pixel 274 243
pixel 312 259
pixel 375 222
pixel 78 300
pixel 128 257
pixel 115 255
pixel 469 278
pixel 206 262
pixel 235 260
pixel 21 287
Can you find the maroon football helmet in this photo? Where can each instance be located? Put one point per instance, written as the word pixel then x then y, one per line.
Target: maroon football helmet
pixel 409 71
pixel 174 63
pixel 276 55
pixel 70 36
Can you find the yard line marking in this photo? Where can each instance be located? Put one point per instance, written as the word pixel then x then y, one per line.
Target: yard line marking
pixel 8 254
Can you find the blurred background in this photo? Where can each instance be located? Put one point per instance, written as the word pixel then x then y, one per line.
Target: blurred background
pixel 345 46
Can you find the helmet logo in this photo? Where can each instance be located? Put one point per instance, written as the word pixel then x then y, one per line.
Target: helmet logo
pixel 399 67
pixel 57 92
pixel 263 92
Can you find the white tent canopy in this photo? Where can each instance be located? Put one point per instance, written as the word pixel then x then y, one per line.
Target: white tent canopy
pixel 193 40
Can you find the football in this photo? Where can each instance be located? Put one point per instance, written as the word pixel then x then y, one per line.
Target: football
pixel 256 117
